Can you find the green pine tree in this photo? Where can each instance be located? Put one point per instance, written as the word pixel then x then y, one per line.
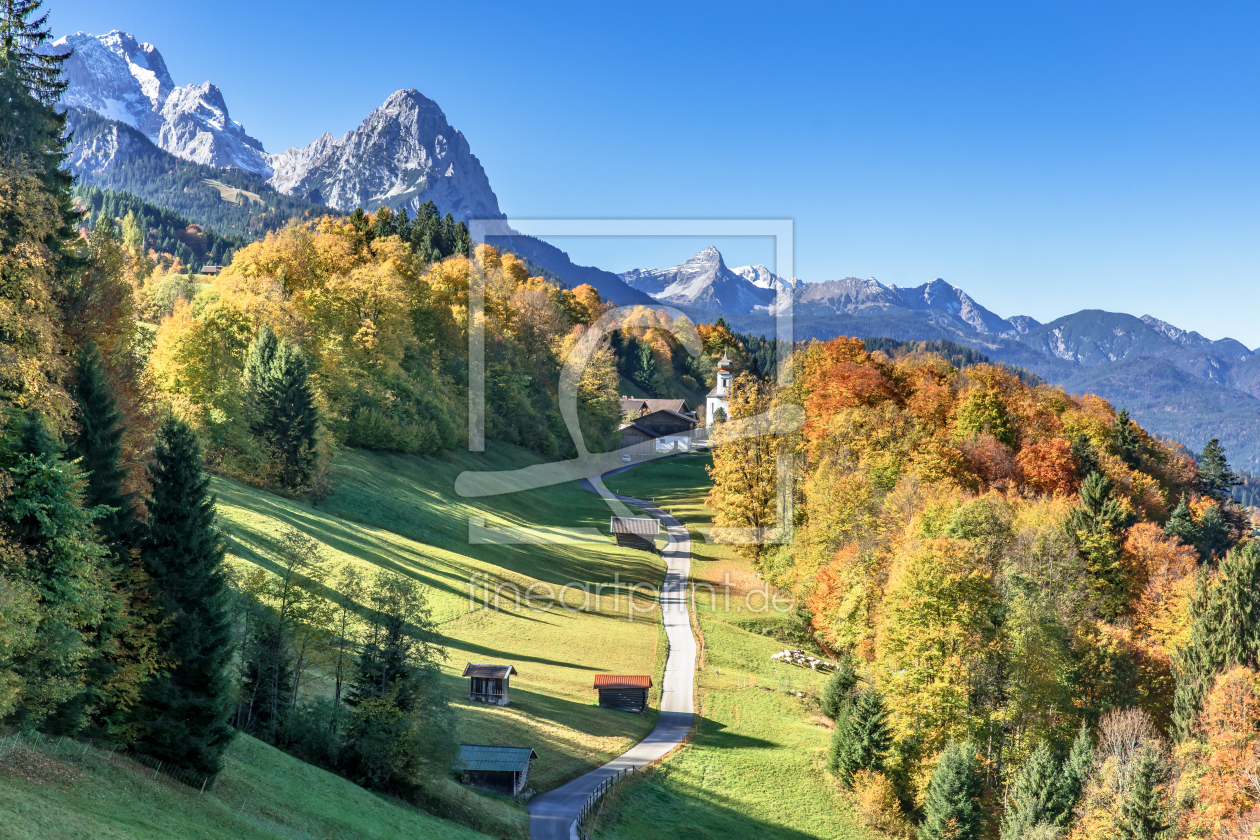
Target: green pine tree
pixel 23 52
pixel 1033 798
pixel 1224 631
pixel 1096 523
pixel 282 406
pixel 124 639
pixel 1214 535
pixel 1214 471
pixel 185 711
pixel 1144 812
pixel 60 560
pixel 1124 438
pixel 1075 770
pixel 861 738
pixel 1084 457
pixel 836 693
pixel 1182 525
pixel 952 810
pixel 99 449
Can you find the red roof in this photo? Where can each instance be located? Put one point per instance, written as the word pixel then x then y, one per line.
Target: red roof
pixel 622 681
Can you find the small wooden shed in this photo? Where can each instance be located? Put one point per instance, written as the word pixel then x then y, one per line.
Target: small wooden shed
pixel 496 769
pixel 627 692
pixel 489 683
pixel 635 532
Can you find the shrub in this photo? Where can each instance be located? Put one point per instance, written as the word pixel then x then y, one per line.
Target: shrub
pixel 878 808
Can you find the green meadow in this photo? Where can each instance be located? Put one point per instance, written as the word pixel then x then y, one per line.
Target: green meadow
pixel 400 513
pixel 756 766
pixel 72 792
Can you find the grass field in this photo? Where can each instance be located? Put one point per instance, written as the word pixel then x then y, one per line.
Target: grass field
pixel 401 513
pixel 262 793
pixel 756 767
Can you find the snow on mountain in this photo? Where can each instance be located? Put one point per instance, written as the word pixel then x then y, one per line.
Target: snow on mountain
pixel 404 153
pixel 704 282
pixel 127 81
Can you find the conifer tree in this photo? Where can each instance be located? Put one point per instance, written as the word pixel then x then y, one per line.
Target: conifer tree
pixel 836 693
pixel 862 737
pixel 58 558
pixel 1214 471
pixel 1224 631
pixel 1095 524
pixel 1144 812
pixel 1072 775
pixel 98 447
pixel 1033 798
pixel 124 638
pixel 952 810
pixel 1213 533
pixel 282 405
pixel 1083 456
pixel 1181 524
pixel 23 55
pixel 1125 439
pixel 185 713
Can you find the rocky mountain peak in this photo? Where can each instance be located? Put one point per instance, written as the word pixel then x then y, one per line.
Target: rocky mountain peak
pixel 403 154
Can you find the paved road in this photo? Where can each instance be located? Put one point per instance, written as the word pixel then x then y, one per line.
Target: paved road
pixel 552 815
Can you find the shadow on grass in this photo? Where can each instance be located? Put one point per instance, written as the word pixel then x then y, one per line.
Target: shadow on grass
pixel 647 803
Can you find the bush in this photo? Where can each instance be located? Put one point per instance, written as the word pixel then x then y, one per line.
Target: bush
pixel 878 808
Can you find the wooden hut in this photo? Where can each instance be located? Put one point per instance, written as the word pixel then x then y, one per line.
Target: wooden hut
pixel 489 683
pixel 628 692
pixel 496 769
pixel 633 532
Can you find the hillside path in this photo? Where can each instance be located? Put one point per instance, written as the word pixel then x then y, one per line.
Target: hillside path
pixel 553 814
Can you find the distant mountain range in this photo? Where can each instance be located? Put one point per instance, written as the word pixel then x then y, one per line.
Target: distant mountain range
pixel 1175 382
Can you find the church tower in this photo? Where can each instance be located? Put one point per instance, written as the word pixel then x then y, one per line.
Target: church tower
pixel 720 395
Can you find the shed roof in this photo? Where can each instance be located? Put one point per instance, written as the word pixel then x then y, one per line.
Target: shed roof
pixel 623 681
pixel 489 672
pixel 634 525
pixel 494 759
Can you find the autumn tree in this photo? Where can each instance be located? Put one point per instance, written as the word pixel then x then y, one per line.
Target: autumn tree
pixel 745 494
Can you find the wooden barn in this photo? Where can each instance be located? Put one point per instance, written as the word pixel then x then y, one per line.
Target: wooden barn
pixel 496 769
pixel 627 692
pixel 489 683
pixel 632 532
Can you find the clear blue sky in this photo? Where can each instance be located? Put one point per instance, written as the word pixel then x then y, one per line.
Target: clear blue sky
pixel 1045 157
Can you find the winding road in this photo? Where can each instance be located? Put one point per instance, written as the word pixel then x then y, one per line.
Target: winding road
pixel 552 816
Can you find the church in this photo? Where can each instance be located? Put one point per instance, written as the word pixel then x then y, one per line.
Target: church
pixel 719 397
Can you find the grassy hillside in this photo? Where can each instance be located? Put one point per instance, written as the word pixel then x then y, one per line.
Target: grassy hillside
pixel 47 792
pixel 401 513
pixel 756 767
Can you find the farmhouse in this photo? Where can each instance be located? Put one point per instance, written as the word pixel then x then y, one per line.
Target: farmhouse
pixel 496 769
pixel 627 692
pixel 489 683
pixel 635 532
pixel 661 426
pixel 633 407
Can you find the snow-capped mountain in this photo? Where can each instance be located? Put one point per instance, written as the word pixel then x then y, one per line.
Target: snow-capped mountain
pixel 704 282
pixel 404 153
pixel 128 82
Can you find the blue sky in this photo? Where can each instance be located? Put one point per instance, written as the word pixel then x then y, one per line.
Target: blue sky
pixel 1045 157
